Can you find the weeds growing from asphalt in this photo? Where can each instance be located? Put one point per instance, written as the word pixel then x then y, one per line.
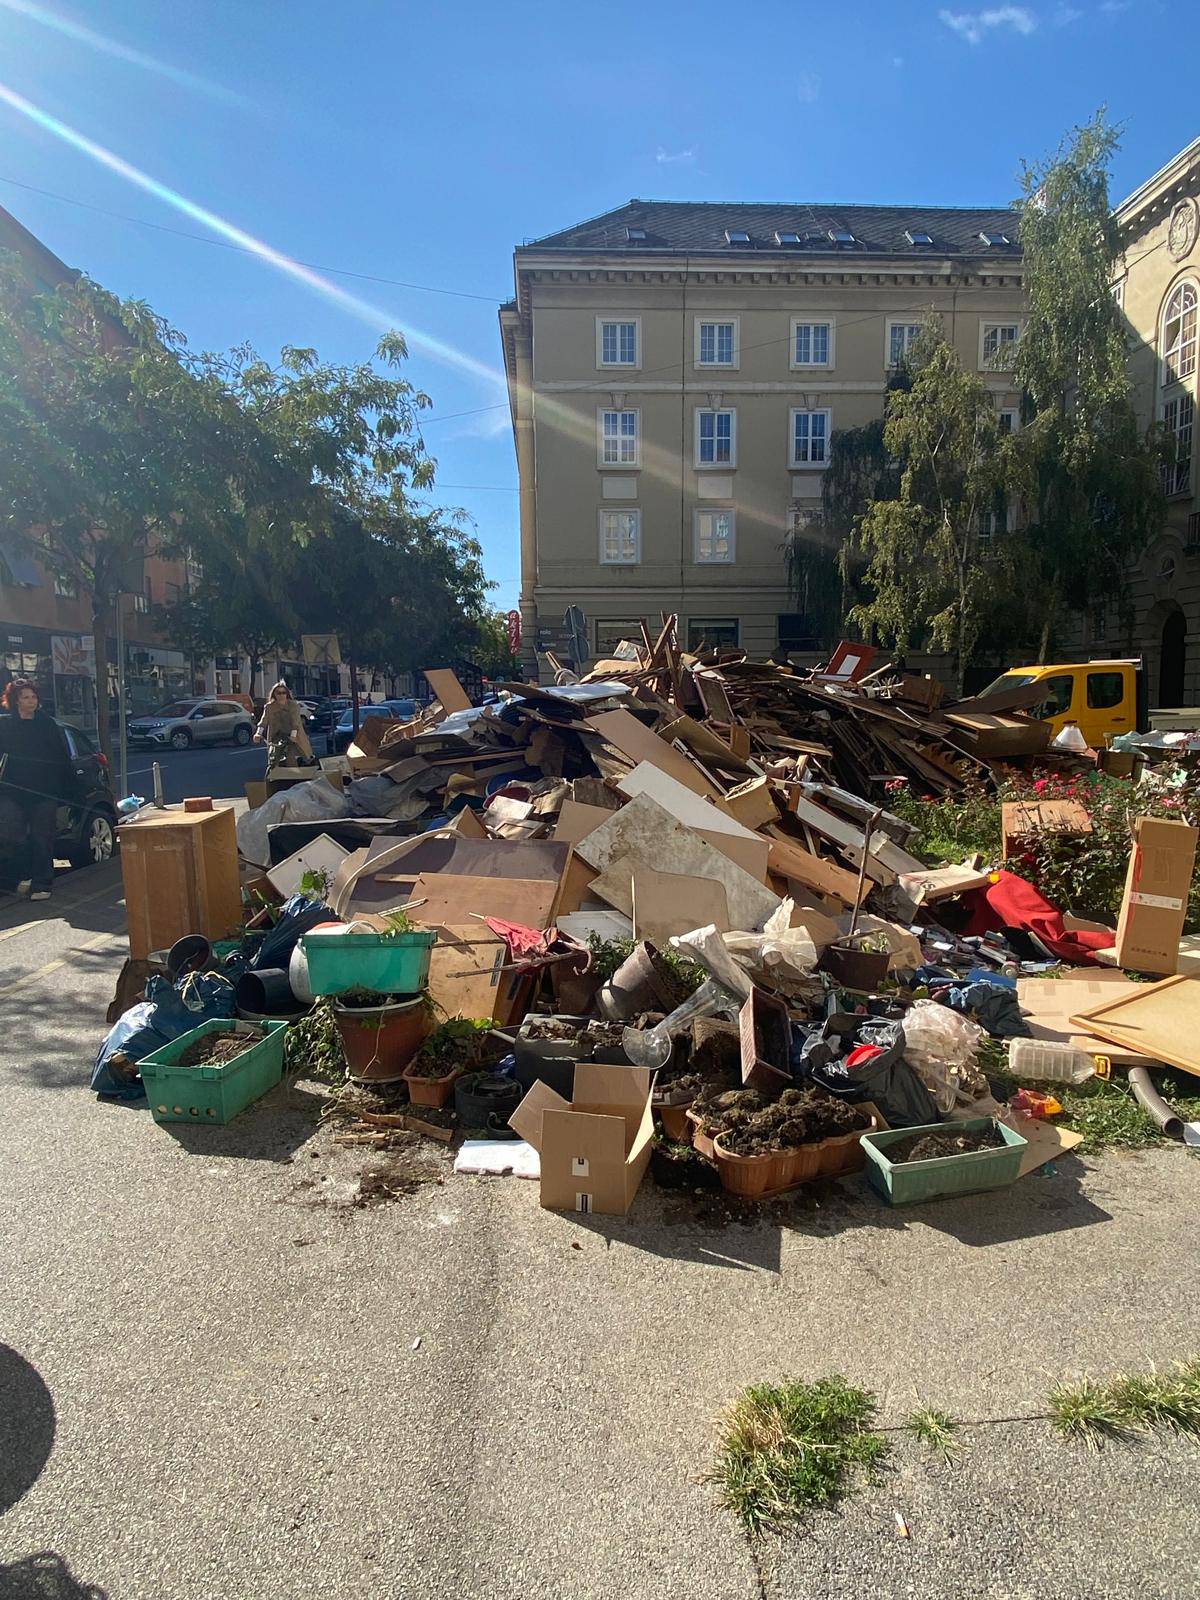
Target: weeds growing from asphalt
pixel 786 1447
pixel 937 1431
pixel 1086 1412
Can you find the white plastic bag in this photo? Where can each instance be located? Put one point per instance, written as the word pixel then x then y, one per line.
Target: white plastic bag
pixel 782 957
pixel 941 1046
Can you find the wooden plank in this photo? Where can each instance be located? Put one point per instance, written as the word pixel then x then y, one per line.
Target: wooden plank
pixel 664 903
pixel 637 743
pixel 1162 1020
pixel 576 821
pixel 683 803
pixel 791 860
pixel 451 694
pixel 456 901
pixel 1049 1003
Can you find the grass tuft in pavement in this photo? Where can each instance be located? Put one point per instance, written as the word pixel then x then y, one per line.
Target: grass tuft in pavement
pixel 1085 1411
pixel 937 1431
pixel 787 1447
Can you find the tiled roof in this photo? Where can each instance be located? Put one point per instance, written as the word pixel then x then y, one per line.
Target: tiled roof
pixel 700 227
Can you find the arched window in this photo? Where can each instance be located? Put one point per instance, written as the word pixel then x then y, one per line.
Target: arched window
pixel 1179 335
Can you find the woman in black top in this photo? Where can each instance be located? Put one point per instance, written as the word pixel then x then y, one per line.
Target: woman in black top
pixel 35 774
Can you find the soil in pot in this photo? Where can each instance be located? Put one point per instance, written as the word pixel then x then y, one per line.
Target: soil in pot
pixel 379 1040
pixel 459 1045
pixel 749 1125
pixel 678 1166
pixel 936 1146
pixel 215 1049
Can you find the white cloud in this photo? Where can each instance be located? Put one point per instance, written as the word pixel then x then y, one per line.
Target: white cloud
pixel 1066 15
pixel 1114 8
pixel 972 25
pixel 808 88
pixel 675 158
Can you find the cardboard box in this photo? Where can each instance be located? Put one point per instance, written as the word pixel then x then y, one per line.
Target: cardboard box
pixel 595 1148
pixel 1156 893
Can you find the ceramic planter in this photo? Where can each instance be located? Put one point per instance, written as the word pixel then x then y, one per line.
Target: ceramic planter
pixel 635 986
pixel 380 1041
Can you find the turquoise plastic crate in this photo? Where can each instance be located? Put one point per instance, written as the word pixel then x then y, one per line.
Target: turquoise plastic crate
pixel 392 963
pixel 212 1094
pixel 906 1183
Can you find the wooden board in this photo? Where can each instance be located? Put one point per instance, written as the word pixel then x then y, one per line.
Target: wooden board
pixel 450 693
pixel 466 977
pixel 666 903
pixel 634 740
pixel 458 901
pixel 793 861
pixel 1021 819
pixel 1050 1003
pixel 576 821
pixel 180 872
pixel 1161 1019
pixel 648 833
pixel 684 804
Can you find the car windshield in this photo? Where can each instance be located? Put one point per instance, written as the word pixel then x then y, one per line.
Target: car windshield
pixel 347 717
pixel 1008 680
pixel 181 708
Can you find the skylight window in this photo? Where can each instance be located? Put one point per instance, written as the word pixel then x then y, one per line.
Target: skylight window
pixel 737 236
pixel 995 238
pixel 842 236
pixel 916 237
pixel 787 236
pixel 636 235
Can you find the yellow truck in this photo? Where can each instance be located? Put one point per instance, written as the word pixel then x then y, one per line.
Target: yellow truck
pixel 1104 697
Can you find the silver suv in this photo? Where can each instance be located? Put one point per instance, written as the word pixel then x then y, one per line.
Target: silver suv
pixel 188 722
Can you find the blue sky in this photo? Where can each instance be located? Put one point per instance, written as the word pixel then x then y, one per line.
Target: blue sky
pixel 419 143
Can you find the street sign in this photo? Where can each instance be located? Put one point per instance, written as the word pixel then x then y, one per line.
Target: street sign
pixel 321 649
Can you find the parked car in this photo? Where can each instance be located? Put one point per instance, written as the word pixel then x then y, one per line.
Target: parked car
pixel 321 714
pixel 395 710
pixel 87 822
pixel 188 722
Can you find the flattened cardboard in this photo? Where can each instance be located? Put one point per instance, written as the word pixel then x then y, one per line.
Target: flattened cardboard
pixel 451 694
pixel 1154 905
pixel 256 792
pixel 635 741
pixel 940 883
pixel 1160 1019
pixel 1049 1005
pixel 594 1151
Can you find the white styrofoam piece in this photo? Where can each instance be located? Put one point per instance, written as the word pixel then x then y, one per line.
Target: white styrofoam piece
pixel 321 854
pixel 499 1156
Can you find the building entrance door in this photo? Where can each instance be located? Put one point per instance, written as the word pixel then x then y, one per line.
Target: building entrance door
pixel 1173 660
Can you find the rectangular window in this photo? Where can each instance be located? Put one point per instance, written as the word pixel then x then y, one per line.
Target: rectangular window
pixel 66 587
pixel 796 631
pixel 716 344
pixel 1178 417
pixel 998 340
pixel 716 438
pixel 715 537
pixel 1118 292
pixel 620 538
pixel 1009 420
pixel 812 344
pixel 618 438
pixel 901 336
pixel 810 438
pixel 610 631
pixel 713 633
pixel 616 343
pixel 1105 690
pixel 996 520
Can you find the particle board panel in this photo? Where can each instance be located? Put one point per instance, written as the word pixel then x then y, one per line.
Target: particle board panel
pixel 1161 1019
pixel 635 741
pixel 1050 1004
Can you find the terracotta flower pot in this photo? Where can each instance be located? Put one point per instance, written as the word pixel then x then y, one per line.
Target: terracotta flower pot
pixel 701 1141
pixel 424 1091
pixel 843 1153
pixel 380 1041
pixel 763 1176
pixel 674 1120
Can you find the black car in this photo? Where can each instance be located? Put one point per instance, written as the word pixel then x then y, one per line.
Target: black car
pixel 87 822
pixel 394 710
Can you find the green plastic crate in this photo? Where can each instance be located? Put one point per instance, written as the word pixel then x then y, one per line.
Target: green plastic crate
pixel 391 963
pixel 908 1182
pixel 212 1094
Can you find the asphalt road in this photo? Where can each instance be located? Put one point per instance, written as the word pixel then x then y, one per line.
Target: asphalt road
pixel 219 770
pixel 220 1379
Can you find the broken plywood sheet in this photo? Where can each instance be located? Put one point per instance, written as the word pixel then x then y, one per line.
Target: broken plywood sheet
pixel 576 821
pixel 684 804
pixel 445 898
pixel 794 862
pixel 467 976
pixel 637 743
pixel 667 903
pixel 1160 1019
pixel 646 832
pixel 1050 1003
pixel 931 884
pixel 1022 819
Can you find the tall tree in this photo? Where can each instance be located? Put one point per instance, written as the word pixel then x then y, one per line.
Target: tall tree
pixel 932 564
pixel 1091 477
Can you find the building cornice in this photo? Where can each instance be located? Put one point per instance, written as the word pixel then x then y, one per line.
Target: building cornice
pixel 1159 192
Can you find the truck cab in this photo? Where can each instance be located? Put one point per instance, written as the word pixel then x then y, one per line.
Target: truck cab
pixel 1102 697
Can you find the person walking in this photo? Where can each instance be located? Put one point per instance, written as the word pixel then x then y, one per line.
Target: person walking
pixel 282 726
pixel 35 779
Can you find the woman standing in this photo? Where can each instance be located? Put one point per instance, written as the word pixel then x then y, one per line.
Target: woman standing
pixel 282 726
pixel 35 779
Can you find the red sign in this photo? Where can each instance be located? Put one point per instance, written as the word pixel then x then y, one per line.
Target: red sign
pixel 514 631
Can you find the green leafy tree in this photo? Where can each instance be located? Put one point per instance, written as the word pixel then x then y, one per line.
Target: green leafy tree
pixel 490 650
pixel 928 567
pixel 1091 478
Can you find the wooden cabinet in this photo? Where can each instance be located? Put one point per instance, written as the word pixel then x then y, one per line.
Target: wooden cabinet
pixel 181 876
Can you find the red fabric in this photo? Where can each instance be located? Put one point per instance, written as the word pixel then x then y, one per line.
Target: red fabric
pixel 862 1053
pixel 521 940
pixel 1011 902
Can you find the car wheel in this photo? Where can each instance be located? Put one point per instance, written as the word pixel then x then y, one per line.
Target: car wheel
pixel 96 842
pixel 242 734
pixel 180 739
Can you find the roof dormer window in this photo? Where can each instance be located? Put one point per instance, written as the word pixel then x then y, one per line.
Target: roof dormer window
pixel 737 236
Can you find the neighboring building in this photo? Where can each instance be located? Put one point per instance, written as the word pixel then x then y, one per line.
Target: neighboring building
pixel 676 371
pixel 45 625
pixel 1159 291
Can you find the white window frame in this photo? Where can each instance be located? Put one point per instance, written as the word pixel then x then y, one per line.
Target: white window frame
pixel 986 325
pixel 1177 475
pixel 715 411
pixel 624 366
pixel 1118 293
pixel 694 622
pixel 619 411
pixel 812 366
pixel 808 411
pixel 718 322
pixel 899 322
pixel 1191 346
pixel 1014 426
pixel 607 560
pixel 698 516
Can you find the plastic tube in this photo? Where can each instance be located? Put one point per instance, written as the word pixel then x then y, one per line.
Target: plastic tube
pixel 1153 1104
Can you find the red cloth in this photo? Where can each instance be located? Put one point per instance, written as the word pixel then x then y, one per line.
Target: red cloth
pixel 1011 902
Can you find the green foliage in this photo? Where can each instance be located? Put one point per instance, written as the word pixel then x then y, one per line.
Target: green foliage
pixel 949 829
pixel 937 1431
pixel 312 1047
pixel 1089 475
pixel 489 650
pixel 458 1044
pixel 787 1447
pixel 1086 1411
pixel 608 954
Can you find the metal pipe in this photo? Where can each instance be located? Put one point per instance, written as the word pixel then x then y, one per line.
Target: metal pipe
pixel 1153 1104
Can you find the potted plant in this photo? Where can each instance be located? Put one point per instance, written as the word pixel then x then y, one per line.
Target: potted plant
pixel 380 1035
pixel 460 1044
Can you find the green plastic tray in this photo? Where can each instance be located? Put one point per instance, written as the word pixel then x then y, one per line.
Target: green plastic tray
pixel 908 1182
pixel 217 1093
pixel 393 963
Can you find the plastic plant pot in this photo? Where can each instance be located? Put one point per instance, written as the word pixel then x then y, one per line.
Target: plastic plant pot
pixel 906 1183
pixel 212 1093
pixel 379 1041
pixel 392 963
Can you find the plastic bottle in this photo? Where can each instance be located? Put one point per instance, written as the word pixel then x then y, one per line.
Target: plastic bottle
pixel 1049 1062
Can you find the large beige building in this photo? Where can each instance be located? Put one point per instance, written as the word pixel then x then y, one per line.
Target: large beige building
pixel 676 372
pixel 1159 290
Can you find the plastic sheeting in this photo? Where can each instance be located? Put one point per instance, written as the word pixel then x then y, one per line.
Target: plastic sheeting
pixel 315 801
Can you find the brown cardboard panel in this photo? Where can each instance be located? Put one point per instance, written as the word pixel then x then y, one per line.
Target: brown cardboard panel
pixel 451 899
pixel 1154 905
pixel 256 793
pixel 576 885
pixel 450 692
pixel 666 903
pixel 940 883
pixel 180 871
pixel 635 741
pixel 1044 1141
pixel 1161 1019
pixel 467 824
pixel 526 1120
pixel 615 1090
pixel 753 803
pixel 583 1162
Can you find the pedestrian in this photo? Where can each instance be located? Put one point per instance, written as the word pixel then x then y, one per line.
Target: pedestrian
pixel 35 779
pixel 282 726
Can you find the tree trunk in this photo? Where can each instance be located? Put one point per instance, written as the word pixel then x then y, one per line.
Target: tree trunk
pixel 100 635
